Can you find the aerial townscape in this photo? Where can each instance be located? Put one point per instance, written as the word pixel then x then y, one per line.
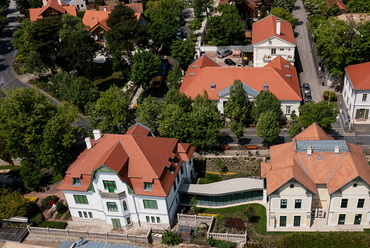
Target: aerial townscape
pixel 184 123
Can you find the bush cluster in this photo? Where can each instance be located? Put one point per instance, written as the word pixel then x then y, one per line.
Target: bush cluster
pixel 170 238
pixel 61 207
pixel 330 96
pixel 54 224
pixel 37 220
pixel 48 202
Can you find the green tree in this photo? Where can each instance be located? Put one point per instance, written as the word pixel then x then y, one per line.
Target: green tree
pixel 183 51
pixel 31 174
pixel 12 204
pixel 3 19
pixel 315 6
pixel 204 122
pixel 237 128
pixel 24 5
pixel 78 48
pixel 164 16
pixel 201 6
pixel 250 213
pixel 323 113
pixel 226 29
pixel 170 238
pixel 98 3
pixel 123 34
pixel 174 77
pixel 76 90
pixel 295 128
pixel 110 113
pixel 146 66
pixel 148 113
pixel 173 122
pixel 195 24
pixel 285 4
pixel 283 14
pixel 358 6
pixel 193 205
pixel 238 105
pixel 268 126
pixel 173 96
pixel 264 102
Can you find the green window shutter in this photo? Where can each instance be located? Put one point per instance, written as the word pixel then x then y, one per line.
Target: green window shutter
pixel 150 204
pixel 80 199
pixel 366 113
pixel 112 206
pixel 357 114
pixel 110 186
pixel 116 224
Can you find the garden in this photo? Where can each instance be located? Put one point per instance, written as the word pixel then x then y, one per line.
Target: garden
pixel 217 169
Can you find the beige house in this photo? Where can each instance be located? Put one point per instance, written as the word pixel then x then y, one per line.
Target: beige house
pixel 315 178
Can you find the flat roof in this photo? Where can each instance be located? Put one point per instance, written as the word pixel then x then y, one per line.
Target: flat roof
pixel 224 187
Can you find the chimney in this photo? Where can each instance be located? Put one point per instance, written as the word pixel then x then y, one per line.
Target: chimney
pixel 97 134
pixel 336 149
pixel 44 2
pixel 278 26
pixel 88 142
pixel 59 2
pixel 105 8
pixel 309 150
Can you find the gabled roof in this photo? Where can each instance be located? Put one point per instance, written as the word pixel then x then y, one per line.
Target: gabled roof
pixel 280 76
pixel 93 18
pixel 136 156
pixel 266 28
pixel 322 166
pixel 359 75
pixel 37 13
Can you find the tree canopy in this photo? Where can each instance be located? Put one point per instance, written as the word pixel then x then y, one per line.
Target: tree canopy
pixel 238 105
pixel 146 66
pixel 12 204
pixel 268 126
pixel 285 4
pixel 148 113
pixel 225 29
pixel 358 6
pixel 283 14
pixel 183 51
pixel 264 102
pixel 110 113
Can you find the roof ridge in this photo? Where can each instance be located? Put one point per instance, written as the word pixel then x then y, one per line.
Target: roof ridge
pixel 303 169
pixel 290 87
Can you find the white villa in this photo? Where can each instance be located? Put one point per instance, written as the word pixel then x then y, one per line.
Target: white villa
pixel 272 37
pixel 315 178
pixel 130 179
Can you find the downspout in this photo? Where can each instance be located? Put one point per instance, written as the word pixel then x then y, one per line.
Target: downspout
pixel 137 213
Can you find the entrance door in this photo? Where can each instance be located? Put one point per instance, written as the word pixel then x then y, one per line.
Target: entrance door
pixel 357 219
pixel 297 221
pixel 116 224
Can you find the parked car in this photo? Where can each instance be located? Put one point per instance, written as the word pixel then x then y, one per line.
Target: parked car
pixel 223 53
pixel 306 88
pixel 307 97
pixel 230 62
pixel 165 67
pixel 156 82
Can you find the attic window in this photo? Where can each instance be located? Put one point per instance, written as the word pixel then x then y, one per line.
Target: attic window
pixel 291 186
pixel 319 157
pixel 355 185
pixel 287 66
pixel 191 74
pixel 265 86
pixel 213 86
pixel 174 160
pixel 148 186
pixel 76 181
pixel 288 75
pixel 171 169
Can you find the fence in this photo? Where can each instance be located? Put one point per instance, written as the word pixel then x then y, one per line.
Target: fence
pixel 117 236
pixel 210 221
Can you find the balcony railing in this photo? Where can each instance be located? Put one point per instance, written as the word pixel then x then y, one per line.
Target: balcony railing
pixel 271 57
pixel 108 195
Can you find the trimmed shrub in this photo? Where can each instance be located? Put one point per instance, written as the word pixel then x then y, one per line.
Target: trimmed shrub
pixel 170 238
pixel 54 224
pixel 330 96
pixel 61 207
pixel 37 220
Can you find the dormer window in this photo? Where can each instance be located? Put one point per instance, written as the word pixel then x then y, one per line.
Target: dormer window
pixel 76 181
pixel 148 186
pixel 213 86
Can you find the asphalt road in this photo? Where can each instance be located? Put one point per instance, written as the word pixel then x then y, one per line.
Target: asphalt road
pixel 8 77
pixel 304 59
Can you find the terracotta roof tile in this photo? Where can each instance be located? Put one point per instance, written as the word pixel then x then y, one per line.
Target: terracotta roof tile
pixel 320 167
pixel 92 18
pixel 266 28
pixel 136 157
pixel 280 76
pixel 359 75
pixel 37 13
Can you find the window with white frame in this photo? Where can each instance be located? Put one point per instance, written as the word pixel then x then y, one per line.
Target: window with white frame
pixel 288 109
pixel 364 97
pixel 153 219
pixel 112 207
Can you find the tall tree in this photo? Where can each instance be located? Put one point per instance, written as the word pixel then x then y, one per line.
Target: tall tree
pixel 238 105
pixel 201 6
pixel 285 4
pixel 283 14
pixel 78 48
pixel 124 32
pixel 268 126
pixel 173 96
pixel 174 77
pixel 358 6
pixel 173 122
pixel 323 113
pixel 183 51
pixel 264 102
pixel 225 29
pixel 148 113
pixel 12 204
pixel 204 122
pixel 31 174
pixel 110 113
pixel 24 5
pixel 76 90
pixel 146 66
pixel 164 16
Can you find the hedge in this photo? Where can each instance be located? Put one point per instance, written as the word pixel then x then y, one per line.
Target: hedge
pixel 54 224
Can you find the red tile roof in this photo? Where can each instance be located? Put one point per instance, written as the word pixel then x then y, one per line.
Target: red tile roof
pixel 135 156
pixel 137 7
pixel 279 74
pixel 359 75
pixel 93 18
pixel 38 13
pixel 266 28
pixel 334 170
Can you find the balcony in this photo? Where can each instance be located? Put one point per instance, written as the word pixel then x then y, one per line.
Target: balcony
pixel 271 57
pixel 108 195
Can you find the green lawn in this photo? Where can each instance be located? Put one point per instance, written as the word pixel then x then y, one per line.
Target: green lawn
pixel 210 178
